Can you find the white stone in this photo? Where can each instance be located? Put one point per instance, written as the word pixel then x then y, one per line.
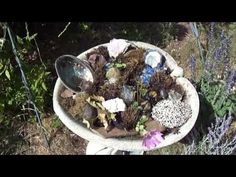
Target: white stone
pixel 114 105
pixel 153 59
pixel 117 46
pixel 177 72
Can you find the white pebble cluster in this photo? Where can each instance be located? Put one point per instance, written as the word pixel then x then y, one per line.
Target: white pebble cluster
pixel 171 113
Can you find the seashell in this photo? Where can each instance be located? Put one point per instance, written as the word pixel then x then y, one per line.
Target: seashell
pixel 113 75
pixel 153 59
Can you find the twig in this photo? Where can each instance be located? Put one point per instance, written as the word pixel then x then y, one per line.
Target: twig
pixel 59 35
pixel 19 115
pixel 196 35
pixel 27 30
pixel 36 44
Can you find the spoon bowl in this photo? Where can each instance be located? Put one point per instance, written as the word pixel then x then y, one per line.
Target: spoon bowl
pixel 75 74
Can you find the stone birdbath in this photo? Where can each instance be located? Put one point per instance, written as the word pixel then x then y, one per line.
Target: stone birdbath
pixel 100 145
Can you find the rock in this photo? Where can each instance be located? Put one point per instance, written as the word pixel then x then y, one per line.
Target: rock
pixel 89 112
pixel 153 58
pixel 67 93
pixel 97 60
pixel 177 72
pixel 173 95
pixel 127 94
pixel 154 125
pixel 144 103
pixel 113 75
pixel 114 105
pixel 163 94
pixel 147 107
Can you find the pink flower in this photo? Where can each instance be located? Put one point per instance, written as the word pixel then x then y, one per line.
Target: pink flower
pixel 152 139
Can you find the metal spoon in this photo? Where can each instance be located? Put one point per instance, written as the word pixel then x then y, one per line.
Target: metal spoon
pixel 75 74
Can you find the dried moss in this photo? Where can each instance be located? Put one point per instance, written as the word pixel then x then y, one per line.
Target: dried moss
pixel 134 63
pixel 102 50
pixel 161 81
pixel 130 117
pixel 81 107
pixel 134 60
pixel 110 91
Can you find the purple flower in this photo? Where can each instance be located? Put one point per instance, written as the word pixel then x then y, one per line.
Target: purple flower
pixel 216 141
pixel 217 54
pixel 152 139
pixel 231 80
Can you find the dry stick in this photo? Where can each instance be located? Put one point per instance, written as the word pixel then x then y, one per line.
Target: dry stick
pixel 59 35
pixel 36 44
pixel 28 92
pixel 39 53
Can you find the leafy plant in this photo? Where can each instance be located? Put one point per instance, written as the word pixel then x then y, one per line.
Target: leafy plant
pixel 56 122
pixel 215 94
pixel 140 127
pixel 15 105
pixel 120 65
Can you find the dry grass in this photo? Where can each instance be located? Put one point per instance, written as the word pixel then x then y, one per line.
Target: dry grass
pixel 62 141
pixel 169 150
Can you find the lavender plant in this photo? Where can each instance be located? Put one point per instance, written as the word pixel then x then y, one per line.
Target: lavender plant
pixel 217 83
pixel 217 141
pixel 217 86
